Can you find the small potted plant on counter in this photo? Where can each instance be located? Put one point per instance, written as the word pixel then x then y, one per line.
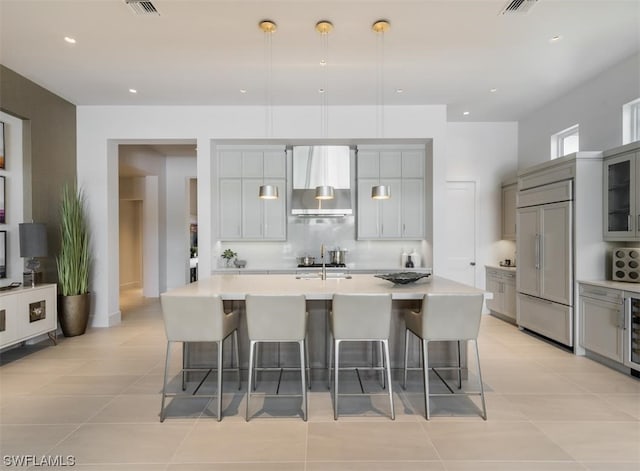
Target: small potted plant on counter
pixel 229 255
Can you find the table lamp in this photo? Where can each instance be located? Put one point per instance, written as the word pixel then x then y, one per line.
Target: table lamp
pixel 33 244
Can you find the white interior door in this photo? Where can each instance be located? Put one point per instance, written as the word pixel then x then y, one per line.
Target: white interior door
pixel 460 242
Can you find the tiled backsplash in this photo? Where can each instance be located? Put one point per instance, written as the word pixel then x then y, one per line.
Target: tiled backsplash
pixel 305 235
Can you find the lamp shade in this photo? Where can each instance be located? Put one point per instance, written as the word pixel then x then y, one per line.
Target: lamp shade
pixel 380 192
pixel 33 239
pixel 268 192
pixel 324 192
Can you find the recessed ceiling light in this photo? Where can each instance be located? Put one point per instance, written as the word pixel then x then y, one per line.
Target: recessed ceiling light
pixel 243 91
pixel 399 90
pixel 555 39
pixel 70 40
pixel 133 90
pixel 321 90
pixel 466 113
pixel 493 90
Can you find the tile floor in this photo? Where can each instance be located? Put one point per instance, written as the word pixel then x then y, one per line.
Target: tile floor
pixel 96 398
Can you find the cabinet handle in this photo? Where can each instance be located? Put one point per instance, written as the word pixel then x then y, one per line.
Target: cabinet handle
pixel 381 229
pixel 537 249
pixel 404 228
pixel 621 318
pixel 628 222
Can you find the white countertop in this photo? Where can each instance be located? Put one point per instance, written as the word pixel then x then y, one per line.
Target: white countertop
pixel 621 285
pixel 236 287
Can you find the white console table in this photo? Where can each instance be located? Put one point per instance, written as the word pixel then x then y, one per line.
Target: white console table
pixel 26 313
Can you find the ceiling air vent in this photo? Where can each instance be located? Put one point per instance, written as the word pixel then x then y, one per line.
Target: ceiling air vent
pixel 142 7
pixel 518 6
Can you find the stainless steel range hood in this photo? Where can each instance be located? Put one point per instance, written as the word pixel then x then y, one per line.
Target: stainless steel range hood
pixel 315 166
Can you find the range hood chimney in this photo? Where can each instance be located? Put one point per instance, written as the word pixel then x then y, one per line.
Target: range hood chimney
pixel 321 166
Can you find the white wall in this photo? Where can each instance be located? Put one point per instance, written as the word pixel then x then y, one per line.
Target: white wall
pixel 130 226
pixel 179 171
pixel 486 153
pixel 102 129
pixel 596 107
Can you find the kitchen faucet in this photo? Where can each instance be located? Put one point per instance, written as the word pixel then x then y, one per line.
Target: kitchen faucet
pixel 323 273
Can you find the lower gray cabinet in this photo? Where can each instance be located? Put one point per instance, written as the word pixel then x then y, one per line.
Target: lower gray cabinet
pixel 502 283
pixel 602 321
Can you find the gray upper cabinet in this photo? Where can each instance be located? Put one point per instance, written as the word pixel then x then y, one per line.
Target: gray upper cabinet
pixel 622 196
pixel 401 216
pixel 509 193
pixel 241 172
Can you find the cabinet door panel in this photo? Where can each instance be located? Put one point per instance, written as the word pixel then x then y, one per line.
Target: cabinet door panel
pixel 37 312
pixel 230 164
pixel 252 223
pixel 230 208
pixel 367 211
pixel 275 165
pixel 493 286
pixel 368 164
pixel 8 319
pixel 620 197
pixel 412 208
pixel 509 212
pixel 390 164
pixel 600 332
pixel 413 164
pixel 275 218
pixel 252 164
pixel 509 297
pixel 390 211
pixel 527 279
pixel 556 253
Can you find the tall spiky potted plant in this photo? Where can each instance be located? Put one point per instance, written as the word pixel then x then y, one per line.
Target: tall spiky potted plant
pixel 74 263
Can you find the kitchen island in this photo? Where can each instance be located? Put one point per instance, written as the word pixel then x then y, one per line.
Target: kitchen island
pixel 234 288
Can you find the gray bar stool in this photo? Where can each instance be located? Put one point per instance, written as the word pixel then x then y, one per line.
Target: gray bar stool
pixel 448 317
pixel 278 319
pixel 360 318
pixel 198 319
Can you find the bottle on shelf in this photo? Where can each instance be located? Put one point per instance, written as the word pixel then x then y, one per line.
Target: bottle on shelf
pixel 403 258
pixel 409 263
pixel 415 258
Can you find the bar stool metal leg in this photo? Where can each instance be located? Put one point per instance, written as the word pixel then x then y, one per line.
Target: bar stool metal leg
pixel 335 381
pixel 459 366
pixel 252 346
pixel 406 356
pixel 185 355
pixel 220 369
pixel 385 344
pixel 303 374
pixel 237 355
pixel 484 406
pixel 164 383
pixel 425 370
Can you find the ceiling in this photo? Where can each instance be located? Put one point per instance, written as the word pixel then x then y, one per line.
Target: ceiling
pixel 449 52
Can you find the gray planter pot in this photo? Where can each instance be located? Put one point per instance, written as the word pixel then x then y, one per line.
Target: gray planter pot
pixel 73 314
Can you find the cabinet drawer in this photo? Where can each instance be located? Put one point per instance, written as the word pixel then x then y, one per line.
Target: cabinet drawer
pixel 550 319
pixel 604 294
pixel 8 320
pixel 37 312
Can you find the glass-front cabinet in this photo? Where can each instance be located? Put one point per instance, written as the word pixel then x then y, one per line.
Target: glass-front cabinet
pixel 622 197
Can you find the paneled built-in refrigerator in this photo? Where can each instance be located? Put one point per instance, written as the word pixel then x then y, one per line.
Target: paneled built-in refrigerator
pixel 545 261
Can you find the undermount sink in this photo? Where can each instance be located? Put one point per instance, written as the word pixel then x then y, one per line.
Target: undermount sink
pixel 318 276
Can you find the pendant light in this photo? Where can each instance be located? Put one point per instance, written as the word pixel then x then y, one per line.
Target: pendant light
pixel 324 27
pixel 380 192
pixel 268 27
